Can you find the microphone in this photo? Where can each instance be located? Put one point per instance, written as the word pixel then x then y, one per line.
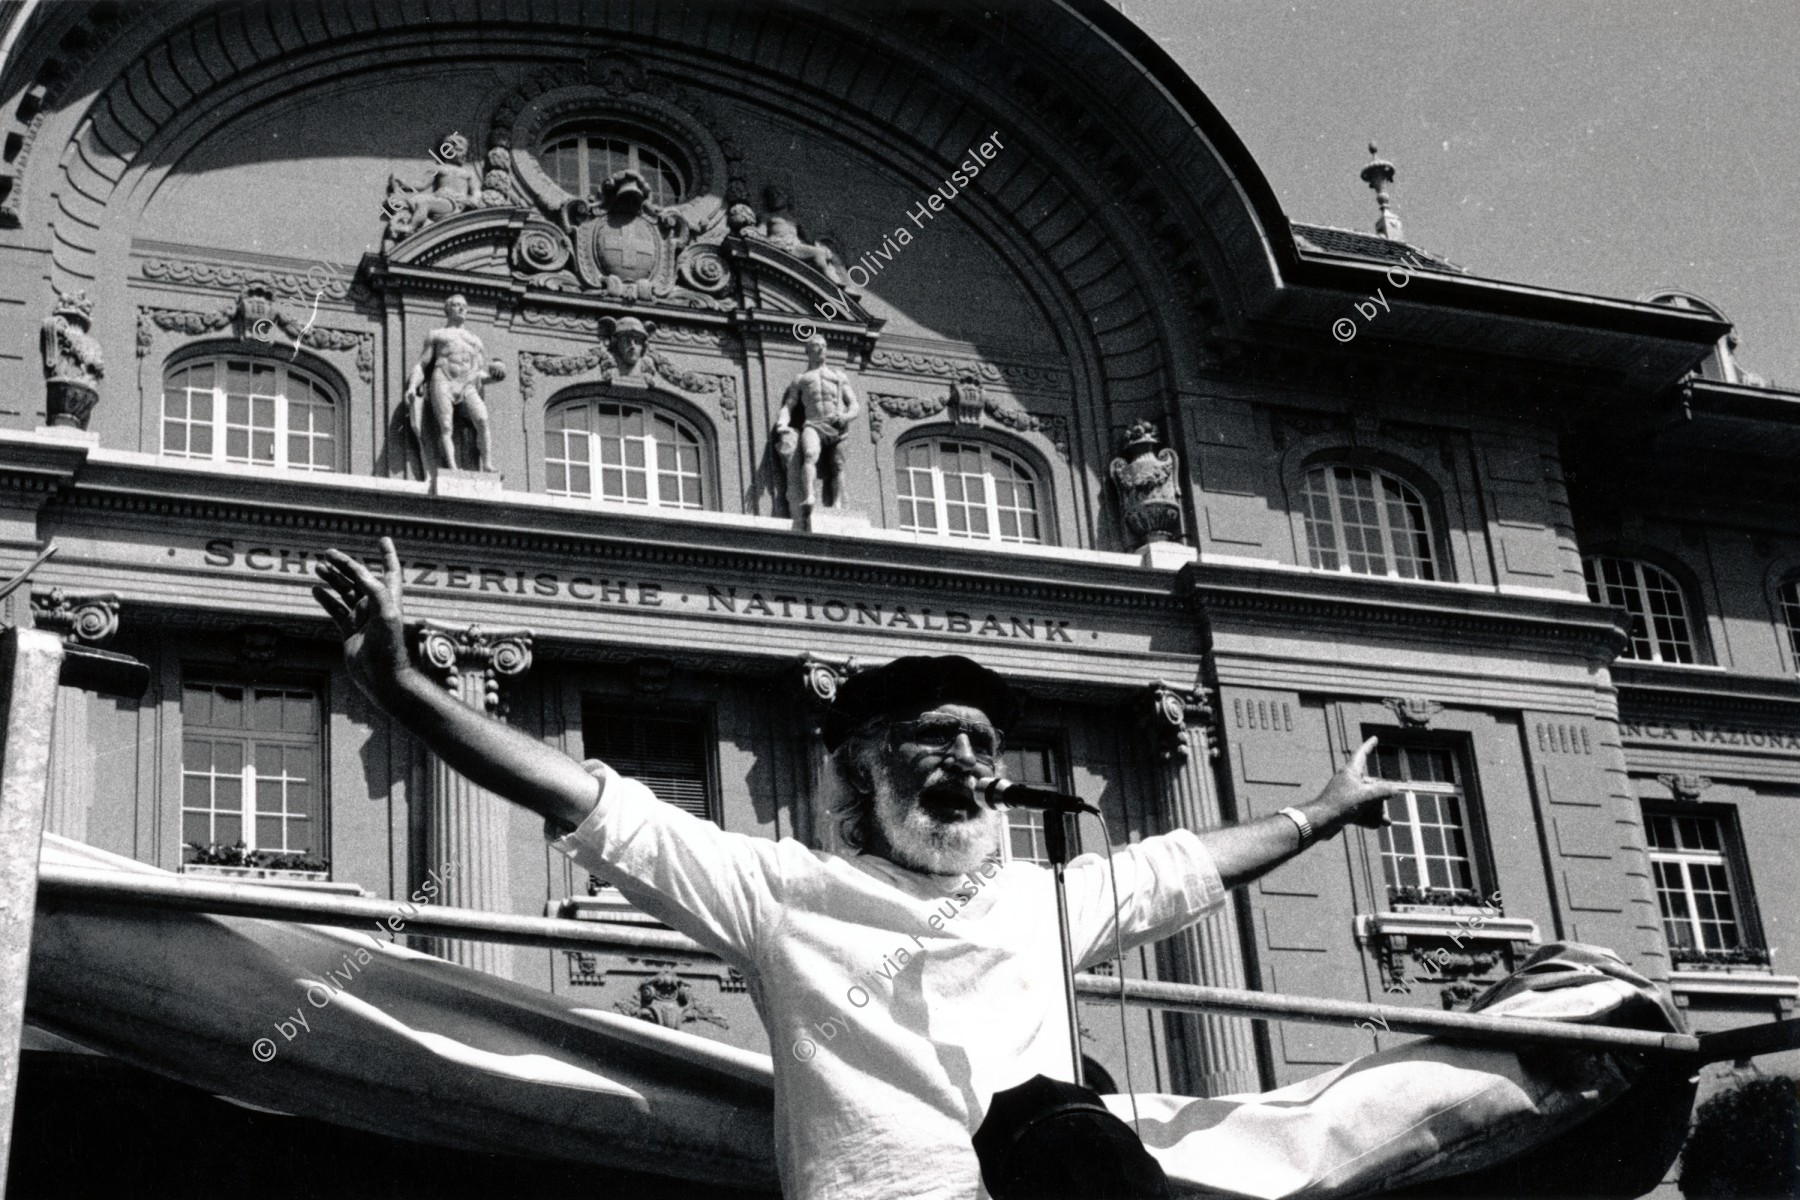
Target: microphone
pixel 1002 794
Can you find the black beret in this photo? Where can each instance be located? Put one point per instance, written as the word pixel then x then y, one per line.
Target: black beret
pixel 917 683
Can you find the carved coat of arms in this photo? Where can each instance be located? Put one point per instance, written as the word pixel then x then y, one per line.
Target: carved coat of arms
pixel 621 233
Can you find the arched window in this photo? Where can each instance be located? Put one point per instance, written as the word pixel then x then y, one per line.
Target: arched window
pixel 1366 522
pixel 249 410
pixel 580 157
pixel 605 450
pixel 1789 598
pixel 968 490
pixel 1661 630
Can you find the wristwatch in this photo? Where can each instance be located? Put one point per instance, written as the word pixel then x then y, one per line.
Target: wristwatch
pixel 1302 824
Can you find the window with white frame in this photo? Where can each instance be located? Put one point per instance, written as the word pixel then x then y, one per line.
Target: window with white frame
pixel 251 758
pixel 1428 850
pixel 1038 763
pixel 968 490
pixel 1366 522
pixel 607 450
pixel 1789 598
pixel 1661 630
pixel 581 157
pixel 1702 899
pixel 249 410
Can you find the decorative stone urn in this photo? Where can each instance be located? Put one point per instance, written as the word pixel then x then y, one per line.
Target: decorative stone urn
pixel 72 362
pixel 1149 486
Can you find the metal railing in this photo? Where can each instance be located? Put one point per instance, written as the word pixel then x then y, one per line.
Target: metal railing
pixel 67 885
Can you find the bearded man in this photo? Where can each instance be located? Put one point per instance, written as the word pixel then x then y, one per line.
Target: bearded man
pixel 889 1107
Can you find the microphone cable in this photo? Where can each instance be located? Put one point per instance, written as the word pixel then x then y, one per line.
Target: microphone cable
pixel 1119 965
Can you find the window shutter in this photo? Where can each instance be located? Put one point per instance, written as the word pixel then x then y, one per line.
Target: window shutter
pixel 668 755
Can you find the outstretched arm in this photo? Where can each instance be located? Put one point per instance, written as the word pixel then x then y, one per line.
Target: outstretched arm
pixel 489 753
pixel 1254 848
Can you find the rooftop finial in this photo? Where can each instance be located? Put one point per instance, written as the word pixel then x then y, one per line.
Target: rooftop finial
pixel 1379 174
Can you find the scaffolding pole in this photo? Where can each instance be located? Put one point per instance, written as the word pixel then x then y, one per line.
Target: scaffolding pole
pixel 64 886
pixel 30 667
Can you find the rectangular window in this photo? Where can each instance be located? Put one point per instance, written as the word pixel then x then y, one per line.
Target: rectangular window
pixel 1035 762
pixel 251 761
pixel 672 754
pixel 1428 853
pixel 1694 857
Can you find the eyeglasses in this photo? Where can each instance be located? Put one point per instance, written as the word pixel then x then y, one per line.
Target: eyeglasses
pixel 939 734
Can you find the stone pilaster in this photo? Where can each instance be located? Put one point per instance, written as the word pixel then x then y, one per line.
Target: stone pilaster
pixel 1221 1051
pixel 91 619
pixel 465 839
pixel 818 680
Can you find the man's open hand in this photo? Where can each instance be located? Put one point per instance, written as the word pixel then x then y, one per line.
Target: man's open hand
pixel 367 612
pixel 1350 797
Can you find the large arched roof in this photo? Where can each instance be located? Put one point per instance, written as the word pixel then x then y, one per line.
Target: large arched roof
pixel 1155 236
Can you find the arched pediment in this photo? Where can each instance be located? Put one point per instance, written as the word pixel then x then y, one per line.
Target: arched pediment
pixel 1133 225
pixel 515 251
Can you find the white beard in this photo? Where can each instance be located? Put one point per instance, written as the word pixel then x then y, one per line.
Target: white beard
pixel 919 842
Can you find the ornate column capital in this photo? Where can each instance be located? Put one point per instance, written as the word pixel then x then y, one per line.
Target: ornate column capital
pixel 1168 711
pixel 819 679
pixel 88 617
pixel 453 651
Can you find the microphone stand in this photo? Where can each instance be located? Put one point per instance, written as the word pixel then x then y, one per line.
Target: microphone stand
pixel 1056 848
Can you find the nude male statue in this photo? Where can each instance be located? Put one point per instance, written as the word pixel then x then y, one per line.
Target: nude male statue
pixel 820 404
pixel 448 376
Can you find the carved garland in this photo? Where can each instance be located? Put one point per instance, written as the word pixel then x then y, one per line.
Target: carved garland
pixel 195 324
pixel 941 367
pixel 1053 426
pixel 304 285
pixel 661 374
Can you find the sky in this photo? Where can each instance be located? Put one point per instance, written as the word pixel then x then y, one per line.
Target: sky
pixel 1615 147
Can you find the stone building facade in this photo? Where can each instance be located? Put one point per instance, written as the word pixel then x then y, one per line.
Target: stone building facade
pixel 1223 493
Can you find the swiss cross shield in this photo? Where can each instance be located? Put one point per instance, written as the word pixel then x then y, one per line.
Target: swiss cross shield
pixel 630 248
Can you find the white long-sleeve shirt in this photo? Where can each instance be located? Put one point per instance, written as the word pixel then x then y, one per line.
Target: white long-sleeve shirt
pixel 890 1032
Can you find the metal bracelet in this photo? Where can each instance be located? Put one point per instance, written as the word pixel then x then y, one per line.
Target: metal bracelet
pixel 1302 824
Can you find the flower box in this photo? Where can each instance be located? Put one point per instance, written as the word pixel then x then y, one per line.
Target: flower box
pixel 282 874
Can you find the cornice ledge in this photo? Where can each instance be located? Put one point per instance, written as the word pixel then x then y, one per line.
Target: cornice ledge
pixel 1675 688
pixel 353 511
pixel 31 461
pixel 1340 601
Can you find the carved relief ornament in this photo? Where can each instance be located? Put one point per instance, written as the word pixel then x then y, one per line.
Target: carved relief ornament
pixel 1169 711
pixel 969 404
pixel 255 316
pixel 1148 480
pixel 452 651
pixel 1685 787
pixel 88 617
pixel 622 357
pixel 1413 712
